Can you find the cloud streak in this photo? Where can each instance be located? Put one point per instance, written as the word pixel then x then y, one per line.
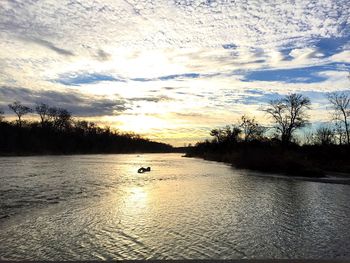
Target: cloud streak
pixel 77 103
pixel 51 46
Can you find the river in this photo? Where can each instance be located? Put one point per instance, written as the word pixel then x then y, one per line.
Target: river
pixel 97 207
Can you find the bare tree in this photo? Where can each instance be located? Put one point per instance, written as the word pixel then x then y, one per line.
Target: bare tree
pixel 251 129
pixel 339 130
pixel 86 127
pixel 63 120
pixel 216 133
pixel 341 105
pixel 1 115
pixel 289 114
pixel 53 115
pixel 20 110
pixel 324 136
pixel 43 111
pixel 308 137
pixel 226 134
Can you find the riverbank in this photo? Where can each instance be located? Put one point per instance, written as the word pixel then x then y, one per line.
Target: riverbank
pixel 325 176
pixel 319 164
pixel 77 137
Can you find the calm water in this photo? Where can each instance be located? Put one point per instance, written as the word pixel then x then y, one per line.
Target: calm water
pixel 99 207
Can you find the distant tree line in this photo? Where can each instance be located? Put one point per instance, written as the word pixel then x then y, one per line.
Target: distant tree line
pixel 288 114
pixel 58 132
pixel 248 144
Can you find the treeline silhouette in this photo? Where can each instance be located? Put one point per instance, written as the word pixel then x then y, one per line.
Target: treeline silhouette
pixel 277 149
pixel 58 132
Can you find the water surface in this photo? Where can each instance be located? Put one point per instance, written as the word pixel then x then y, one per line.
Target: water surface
pixel 99 207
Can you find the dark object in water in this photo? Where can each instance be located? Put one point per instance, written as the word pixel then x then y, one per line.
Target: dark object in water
pixel 142 170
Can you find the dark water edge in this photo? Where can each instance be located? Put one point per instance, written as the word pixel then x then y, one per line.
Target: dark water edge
pixel 313 161
pixel 304 175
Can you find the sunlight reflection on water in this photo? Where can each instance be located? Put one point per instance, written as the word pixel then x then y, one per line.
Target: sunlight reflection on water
pixel 99 207
pixel 136 197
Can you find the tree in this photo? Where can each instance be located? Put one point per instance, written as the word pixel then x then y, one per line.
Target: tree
pixel 216 133
pixel 289 114
pixel 1 115
pixel 63 119
pixel 232 134
pixel 251 129
pixel 339 130
pixel 43 111
pixel 324 136
pixel 87 127
pixel 60 118
pixel 226 134
pixel 53 115
pixel 341 105
pixel 20 110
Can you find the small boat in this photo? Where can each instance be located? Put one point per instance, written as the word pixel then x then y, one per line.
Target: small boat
pixel 142 170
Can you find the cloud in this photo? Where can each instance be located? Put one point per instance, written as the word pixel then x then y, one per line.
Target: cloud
pixel 179 77
pixel 50 45
pixel 151 99
pixel 78 104
pixel 343 56
pixel 189 114
pixel 103 55
pixel 150 24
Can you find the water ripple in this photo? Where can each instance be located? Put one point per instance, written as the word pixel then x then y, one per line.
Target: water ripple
pixel 99 208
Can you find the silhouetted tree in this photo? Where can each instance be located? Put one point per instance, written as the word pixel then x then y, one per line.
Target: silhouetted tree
pixel 20 110
pixel 341 105
pixel 216 133
pixel 309 137
pixel 288 113
pixel 43 111
pixel 339 130
pixel 1 115
pixel 251 129
pixel 64 119
pixel 226 134
pixel 60 118
pixel 87 127
pixel 232 133
pixel 53 115
pixel 324 136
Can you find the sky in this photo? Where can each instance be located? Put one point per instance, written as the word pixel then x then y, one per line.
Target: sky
pixel 171 70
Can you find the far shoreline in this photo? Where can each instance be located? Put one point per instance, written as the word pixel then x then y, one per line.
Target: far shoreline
pixel 329 177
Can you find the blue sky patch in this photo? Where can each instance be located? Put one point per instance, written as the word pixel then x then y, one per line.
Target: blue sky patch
pixel 229 46
pixel 76 80
pixel 326 46
pixel 331 46
pixel 297 75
